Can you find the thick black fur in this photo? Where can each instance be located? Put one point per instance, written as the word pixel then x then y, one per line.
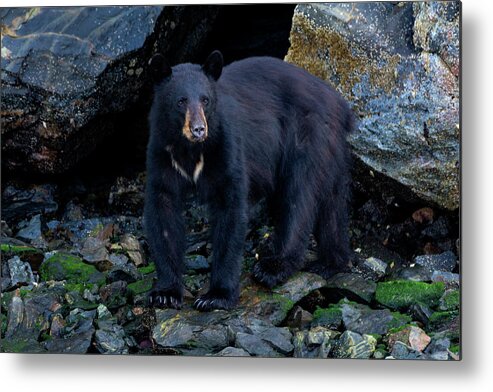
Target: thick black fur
pixel 274 131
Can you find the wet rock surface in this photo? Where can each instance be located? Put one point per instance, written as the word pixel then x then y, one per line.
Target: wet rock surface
pixel 66 71
pixel 397 63
pixel 87 294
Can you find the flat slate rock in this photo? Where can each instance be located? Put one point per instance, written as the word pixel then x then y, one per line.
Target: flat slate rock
pixel 350 286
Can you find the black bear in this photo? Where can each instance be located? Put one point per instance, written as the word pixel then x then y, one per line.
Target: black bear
pixel 259 127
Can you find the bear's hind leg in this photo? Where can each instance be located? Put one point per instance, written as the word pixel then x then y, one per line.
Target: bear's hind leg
pixel 296 216
pixel 331 233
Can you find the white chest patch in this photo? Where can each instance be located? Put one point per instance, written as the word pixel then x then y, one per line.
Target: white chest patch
pixel 196 172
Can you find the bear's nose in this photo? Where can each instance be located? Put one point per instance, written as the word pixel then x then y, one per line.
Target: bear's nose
pixel 198 132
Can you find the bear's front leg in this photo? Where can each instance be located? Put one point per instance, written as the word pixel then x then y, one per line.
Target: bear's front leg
pixel 165 232
pixel 229 221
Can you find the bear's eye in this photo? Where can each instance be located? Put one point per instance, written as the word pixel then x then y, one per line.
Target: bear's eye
pixel 182 101
pixel 205 100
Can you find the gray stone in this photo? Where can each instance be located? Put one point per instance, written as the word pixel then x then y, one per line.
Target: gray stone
pixel 232 352
pixel 351 286
pixel 299 285
pixel 191 332
pixel 397 63
pixel 31 232
pixel 299 318
pixel 254 345
pixel 420 312
pixel 5 230
pixel 76 336
pixel 130 242
pixel 446 261
pixel 73 212
pixel 363 320
pixel 416 273
pixel 88 296
pixel 111 339
pixel 376 266
pixel 118 260
pixel 402 351
pixel 20 273
pixel 438 348
pixel 94 250
pixel 178 336
pixel 196 263
pixel 114 294
pixel 445 277
pixel 15 316
pixel 353 345
pixel 436 230
pixel 128 273
pixel 19 203
pixel 28 318
pixel 78 231
pixel 315 343
pixel 279 338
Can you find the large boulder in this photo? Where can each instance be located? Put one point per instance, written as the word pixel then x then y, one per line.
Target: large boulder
pixel 397 63
pixel 69 72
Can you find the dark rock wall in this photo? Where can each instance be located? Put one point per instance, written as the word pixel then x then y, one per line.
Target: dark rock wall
pixel 68 72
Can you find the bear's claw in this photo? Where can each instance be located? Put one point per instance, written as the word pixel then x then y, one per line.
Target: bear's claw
pixel 164 299
pixel 209 301
pixel 267 278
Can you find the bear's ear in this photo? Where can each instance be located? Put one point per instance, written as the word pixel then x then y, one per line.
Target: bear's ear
pixel 213 66
pixel 159 68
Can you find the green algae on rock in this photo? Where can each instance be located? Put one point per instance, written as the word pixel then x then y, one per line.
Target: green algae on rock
pixel 450 300
pixel 140 286
pixel 401 294
pixel 64 266
pixel 330 317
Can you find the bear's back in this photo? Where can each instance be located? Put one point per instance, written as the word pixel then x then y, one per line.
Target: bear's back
pixel 270 85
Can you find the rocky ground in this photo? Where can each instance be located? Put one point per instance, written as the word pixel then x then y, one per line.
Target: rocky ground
pixel 76 270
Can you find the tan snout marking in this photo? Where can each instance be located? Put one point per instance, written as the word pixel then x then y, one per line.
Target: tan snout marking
pixel 187 125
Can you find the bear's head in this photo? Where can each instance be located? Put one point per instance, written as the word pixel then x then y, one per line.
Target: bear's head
pixel 185 97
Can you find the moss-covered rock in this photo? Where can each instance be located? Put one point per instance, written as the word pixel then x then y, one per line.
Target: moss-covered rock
pixel 140 287
pixel 330 317
pixel 78 287
pixel 450 300
pixel 21 345
pixel 441 320
pixel 402 294
pixel 399 320
pixel 455 348
pixel 27 253
pixel 148 269
pixel 3 320
pixel 364 320
pixel 64 266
